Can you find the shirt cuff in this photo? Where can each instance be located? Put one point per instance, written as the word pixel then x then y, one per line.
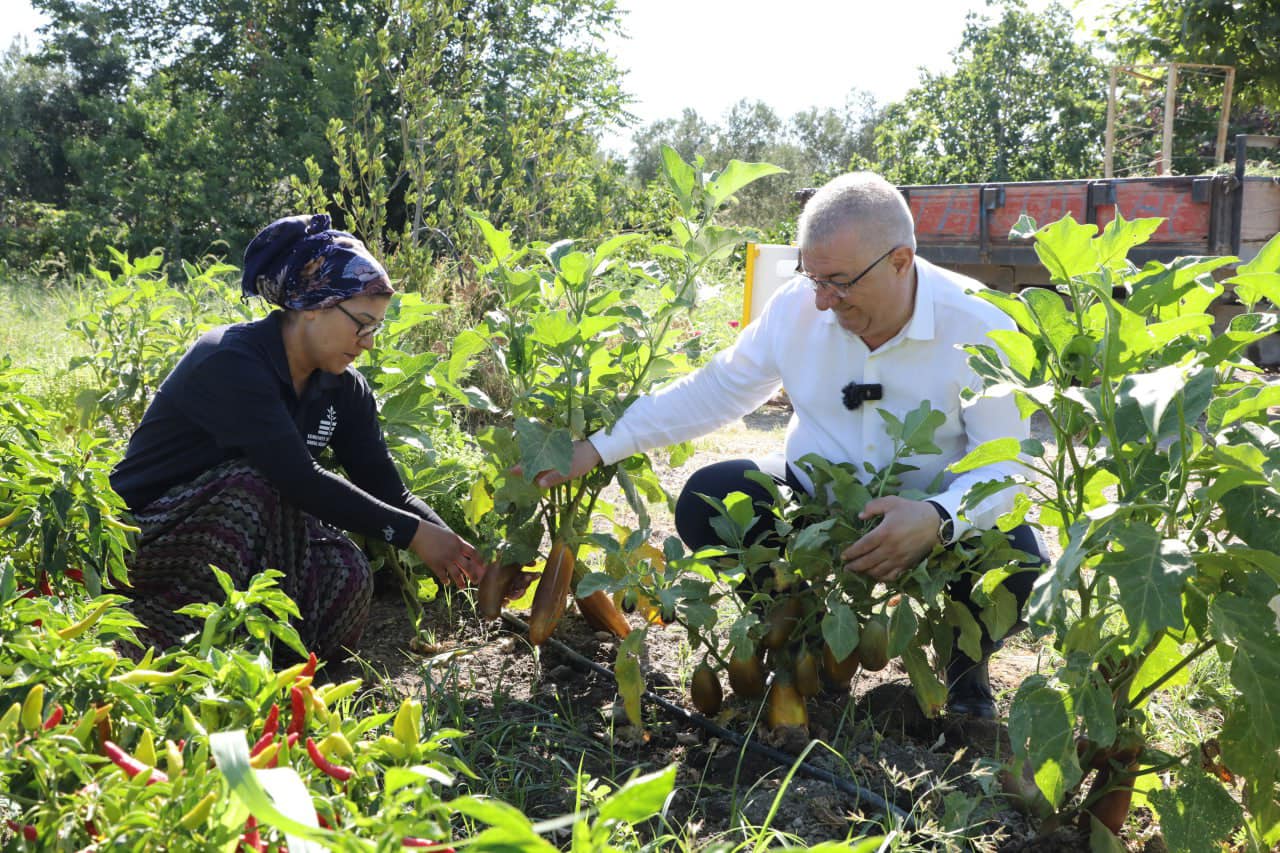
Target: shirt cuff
pixel 950 501
pixel 613 444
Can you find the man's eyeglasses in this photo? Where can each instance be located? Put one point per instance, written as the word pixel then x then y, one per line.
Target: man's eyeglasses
pixel 363 329
pixel 841 287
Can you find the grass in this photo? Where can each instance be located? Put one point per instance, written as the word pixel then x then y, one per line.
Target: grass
pixel 34 333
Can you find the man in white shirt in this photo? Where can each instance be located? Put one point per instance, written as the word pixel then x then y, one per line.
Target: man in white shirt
pixel 864 325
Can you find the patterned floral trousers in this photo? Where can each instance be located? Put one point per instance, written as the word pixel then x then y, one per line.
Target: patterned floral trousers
pixel 233 518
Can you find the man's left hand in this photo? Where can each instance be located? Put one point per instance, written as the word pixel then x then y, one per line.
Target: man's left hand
pixel 907 532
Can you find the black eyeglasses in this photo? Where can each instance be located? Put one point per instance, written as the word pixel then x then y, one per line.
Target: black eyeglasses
pixel 841 287
pixel 363 329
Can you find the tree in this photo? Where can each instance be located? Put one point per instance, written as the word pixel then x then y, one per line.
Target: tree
pixel 194 116
pixel 689 135
pixel 1216 32
pixel 1025 102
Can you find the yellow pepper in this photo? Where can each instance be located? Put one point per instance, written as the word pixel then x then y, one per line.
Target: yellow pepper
pixel 285 677
pixel 145 751
pixel 33 709
pixel 150 677
pixel 10 718
pixel 77 628
pixel 337 743
pixel 172 759
pixel 407 726
pixel 263 759
pixel 334 693
pixel 199 812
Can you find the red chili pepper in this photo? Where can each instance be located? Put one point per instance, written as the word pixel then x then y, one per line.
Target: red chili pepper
pixel 272 723
pixel 251 838
pixel 410 841
pixel 263 742
pixel 292 739
pixel 310 669
pixel 131 765
pixel 76 575
pixel 298 701
pixel 333 771
pixel 45 588
pixel 55 717
pixel 28 831
pixel 324 823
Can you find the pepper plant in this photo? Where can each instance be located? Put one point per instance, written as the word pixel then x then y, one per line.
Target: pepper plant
pixel 783 603
pixel 575 335
pixel 1163 487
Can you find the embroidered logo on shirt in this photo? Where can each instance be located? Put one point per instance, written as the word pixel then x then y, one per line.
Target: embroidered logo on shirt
pixel 388 532
pixel 324 432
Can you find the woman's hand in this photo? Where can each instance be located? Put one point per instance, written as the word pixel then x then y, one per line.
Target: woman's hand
pixel 453 559
pixel 585 459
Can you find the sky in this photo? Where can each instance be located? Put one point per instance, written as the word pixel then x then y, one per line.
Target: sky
pixel 791 54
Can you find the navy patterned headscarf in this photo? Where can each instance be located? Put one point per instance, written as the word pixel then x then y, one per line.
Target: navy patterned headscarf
pixel 300 263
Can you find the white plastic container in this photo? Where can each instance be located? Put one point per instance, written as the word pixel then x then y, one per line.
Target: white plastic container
pixel 769 266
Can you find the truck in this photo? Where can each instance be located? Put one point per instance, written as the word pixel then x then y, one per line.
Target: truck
pixel 965 227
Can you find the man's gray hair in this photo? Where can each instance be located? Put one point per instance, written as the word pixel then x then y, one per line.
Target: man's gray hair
pixel 862 202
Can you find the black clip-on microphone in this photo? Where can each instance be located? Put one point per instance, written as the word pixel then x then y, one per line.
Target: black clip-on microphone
pixel 854 394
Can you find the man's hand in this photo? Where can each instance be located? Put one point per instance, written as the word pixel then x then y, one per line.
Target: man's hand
pixel 453 559
pixel 585 458
pixel 908 532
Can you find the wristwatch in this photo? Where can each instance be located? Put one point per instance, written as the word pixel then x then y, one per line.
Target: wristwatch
pixel 946 524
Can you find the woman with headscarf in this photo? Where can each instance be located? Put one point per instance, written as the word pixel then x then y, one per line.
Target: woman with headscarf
pixel 223 469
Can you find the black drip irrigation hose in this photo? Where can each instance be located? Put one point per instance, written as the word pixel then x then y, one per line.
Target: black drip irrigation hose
pixel 777 756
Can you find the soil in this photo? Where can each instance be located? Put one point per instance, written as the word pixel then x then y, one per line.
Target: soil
pixel 941 771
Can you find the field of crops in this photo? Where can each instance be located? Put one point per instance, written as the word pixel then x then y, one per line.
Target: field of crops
pixel 666 711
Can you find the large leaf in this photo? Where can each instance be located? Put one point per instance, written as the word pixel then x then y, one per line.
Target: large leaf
pixel 1120 235
pixel 462 354
pixel 679 176
pixel 1042 731
pixel 840 630
pixel 1196 814
pixel 987 453
pixel 553 328
pixel 930 692
pixel 543 448
pixel 737 175
pixel 640 798
pixel 1150 573
pixel 1048 601
pixel 969 632
pixel 499 242
pixel 1251 513
pixel 1153 393
pixel 1050 312
pixel 1066 248
pixel 1249 627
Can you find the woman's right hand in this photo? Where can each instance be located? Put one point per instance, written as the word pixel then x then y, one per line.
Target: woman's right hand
pixel 585 459
pixel 453 559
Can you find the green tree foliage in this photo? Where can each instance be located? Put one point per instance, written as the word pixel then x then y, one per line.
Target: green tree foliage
pixel 813 145
pixel 1025 102
pixel 1246 35
pixel 182 122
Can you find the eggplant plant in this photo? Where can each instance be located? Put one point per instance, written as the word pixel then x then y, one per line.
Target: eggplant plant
pixel 575 335
pixel 1164 491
